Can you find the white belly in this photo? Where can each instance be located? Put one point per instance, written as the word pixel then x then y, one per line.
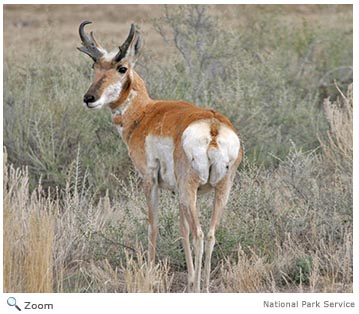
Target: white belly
pixel 159 152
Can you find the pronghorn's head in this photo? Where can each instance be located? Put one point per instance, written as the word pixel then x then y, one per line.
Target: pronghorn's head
pixel 112 71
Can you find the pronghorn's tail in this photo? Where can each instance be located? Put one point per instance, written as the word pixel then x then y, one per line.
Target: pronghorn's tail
pixel 222 152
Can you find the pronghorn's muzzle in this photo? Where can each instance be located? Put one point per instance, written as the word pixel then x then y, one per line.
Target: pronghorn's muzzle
pixel 89 99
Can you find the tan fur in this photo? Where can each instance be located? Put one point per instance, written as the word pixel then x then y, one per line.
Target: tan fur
pixel 214 132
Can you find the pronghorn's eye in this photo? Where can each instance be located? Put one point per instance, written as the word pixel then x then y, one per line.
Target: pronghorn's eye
pixel 122 69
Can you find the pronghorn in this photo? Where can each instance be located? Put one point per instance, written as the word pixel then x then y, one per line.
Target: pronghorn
pixel 173 145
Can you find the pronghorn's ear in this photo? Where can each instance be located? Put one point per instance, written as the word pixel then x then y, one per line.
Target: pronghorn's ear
pixel 135 48
pixel 132 46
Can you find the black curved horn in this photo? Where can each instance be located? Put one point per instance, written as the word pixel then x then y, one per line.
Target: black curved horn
pixel 89 45
pixel 124 47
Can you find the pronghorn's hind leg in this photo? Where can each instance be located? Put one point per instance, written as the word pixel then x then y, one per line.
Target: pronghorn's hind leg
pixel 221 196
pixel 184 229
pixel 220 199
pixel 190 222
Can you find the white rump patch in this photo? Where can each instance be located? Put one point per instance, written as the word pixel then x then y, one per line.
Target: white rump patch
pixel 229 143
pixel 223 158
pixel 212 164
pixel 195 140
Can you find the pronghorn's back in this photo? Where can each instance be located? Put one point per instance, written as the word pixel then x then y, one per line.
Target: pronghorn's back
pixel 173 144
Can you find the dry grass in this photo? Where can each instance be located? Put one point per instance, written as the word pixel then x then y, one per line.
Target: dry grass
pixel 338 146
pixel 141 277
pixel 28 236
pixel 249 273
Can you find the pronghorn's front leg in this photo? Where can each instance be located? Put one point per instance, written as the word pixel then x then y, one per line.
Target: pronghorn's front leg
pixel 151 193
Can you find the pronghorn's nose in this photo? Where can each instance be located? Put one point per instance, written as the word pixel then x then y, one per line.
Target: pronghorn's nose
pixel 89 98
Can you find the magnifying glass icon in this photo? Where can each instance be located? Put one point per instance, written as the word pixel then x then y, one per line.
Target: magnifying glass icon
pixel 11 301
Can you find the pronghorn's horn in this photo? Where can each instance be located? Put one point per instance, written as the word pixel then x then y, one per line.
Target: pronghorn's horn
pixel 89 45
pixel 123 48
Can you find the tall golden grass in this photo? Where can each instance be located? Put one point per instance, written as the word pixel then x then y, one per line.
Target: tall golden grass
pixel 29 233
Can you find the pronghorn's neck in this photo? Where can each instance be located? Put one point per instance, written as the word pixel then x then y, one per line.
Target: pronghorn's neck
pixel 128 111
pixel 124 105
pixel 134 88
